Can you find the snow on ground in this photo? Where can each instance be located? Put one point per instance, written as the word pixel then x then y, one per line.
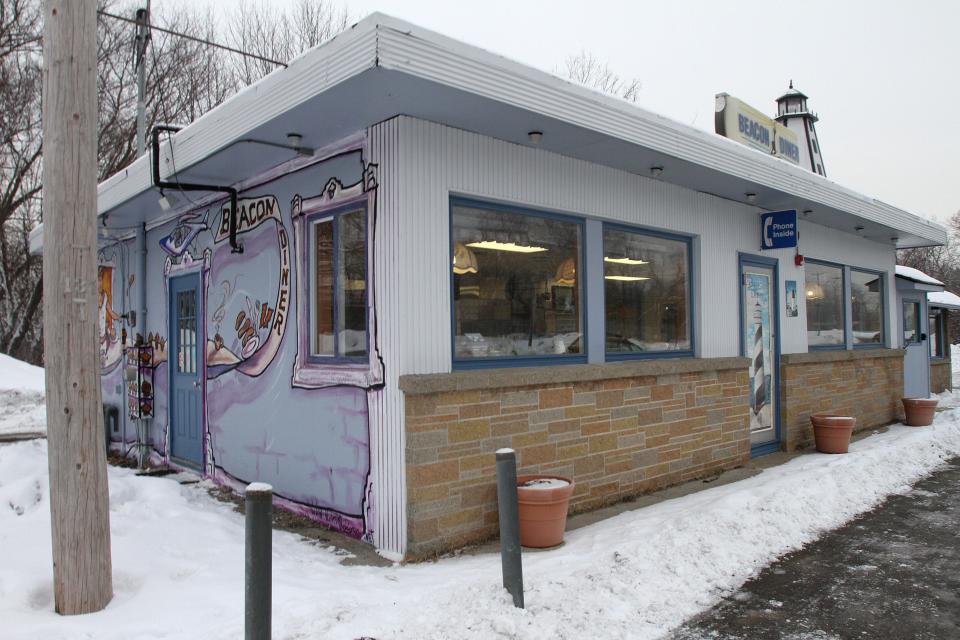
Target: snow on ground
pixel 178 557
pixel 21 397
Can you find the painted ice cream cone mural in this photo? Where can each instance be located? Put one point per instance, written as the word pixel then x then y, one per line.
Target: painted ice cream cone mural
pixel 108 318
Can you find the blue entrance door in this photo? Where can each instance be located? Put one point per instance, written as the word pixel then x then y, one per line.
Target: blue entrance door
pixel 186 371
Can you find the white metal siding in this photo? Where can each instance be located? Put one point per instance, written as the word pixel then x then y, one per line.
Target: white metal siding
pixel 387 434
pixel 438 161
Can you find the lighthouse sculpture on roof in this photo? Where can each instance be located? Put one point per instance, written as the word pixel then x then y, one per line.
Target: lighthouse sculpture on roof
pixel 792 112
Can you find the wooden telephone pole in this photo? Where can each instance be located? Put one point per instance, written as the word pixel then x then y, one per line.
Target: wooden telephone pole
pixel 79 503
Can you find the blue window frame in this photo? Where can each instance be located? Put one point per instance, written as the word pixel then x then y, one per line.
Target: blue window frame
pixel 868 308
pixel 516 286
pixel 825 289
pixel 648 293
pixel 338 284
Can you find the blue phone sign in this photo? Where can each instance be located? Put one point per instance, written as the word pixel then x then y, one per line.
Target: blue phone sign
pixel 778 229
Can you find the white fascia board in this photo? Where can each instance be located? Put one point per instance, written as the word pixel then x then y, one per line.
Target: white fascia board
pixel 306 76
pixel 419 52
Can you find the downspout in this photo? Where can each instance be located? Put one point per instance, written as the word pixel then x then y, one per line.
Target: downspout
pixel 192 186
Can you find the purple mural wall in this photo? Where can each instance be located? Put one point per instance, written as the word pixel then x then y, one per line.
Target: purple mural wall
pixel 273 410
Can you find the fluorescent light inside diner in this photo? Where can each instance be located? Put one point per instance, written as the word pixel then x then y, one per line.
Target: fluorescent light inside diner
pixel 624 260
pixel 505 246
pixel 626 278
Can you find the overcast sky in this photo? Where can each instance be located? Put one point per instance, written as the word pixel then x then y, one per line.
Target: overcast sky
pixel 882 75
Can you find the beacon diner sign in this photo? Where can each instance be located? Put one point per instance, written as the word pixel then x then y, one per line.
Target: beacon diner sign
pixel 778 229
pixel 739 121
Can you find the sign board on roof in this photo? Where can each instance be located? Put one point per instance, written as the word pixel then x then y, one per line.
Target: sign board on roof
pixel 739 121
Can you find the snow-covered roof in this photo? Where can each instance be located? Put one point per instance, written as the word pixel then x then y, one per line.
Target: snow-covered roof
pixel 383 67
pixel 944 299
pixel 909 273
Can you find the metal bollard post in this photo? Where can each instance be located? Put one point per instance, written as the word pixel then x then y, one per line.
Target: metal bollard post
pixel 259 561
pixel 509 525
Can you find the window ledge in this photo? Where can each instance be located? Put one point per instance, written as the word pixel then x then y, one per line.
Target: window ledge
pixel 421 384
pixel 836 355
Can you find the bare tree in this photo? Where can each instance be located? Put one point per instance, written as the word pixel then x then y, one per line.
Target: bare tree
pixel 257 28
pixel 584 68
pixel 185 79
pixel 20 285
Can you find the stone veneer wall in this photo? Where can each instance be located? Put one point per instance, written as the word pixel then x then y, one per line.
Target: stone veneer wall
pixel 617 429
pixel 864 383
pixel 941 375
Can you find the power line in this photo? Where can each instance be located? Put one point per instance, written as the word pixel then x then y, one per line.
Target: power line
pixel 195 39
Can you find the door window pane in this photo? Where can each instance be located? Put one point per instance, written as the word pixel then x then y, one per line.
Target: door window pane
pixel 911 322
pixel 647 292
pixel 187 331
pixel 516 284
pixel 824 295
pixel 866 301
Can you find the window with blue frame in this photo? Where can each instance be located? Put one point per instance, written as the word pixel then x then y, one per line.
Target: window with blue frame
pixel 338 284
pixel 516 283
pixel 647 292
pixel 824 295
pixel 866 304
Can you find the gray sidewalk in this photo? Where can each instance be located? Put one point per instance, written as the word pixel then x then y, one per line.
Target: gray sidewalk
pixel 893 573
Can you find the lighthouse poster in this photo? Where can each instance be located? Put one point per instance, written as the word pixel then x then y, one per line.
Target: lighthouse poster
pixel 757 334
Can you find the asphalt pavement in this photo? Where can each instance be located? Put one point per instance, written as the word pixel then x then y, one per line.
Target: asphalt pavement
pixel 891 574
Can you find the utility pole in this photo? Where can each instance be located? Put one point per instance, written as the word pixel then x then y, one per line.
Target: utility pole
pixel 79 503
pixel 140 60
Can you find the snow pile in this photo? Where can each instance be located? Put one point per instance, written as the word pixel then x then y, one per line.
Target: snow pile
pixel 178 557
pixel 21 397
pixel 916 275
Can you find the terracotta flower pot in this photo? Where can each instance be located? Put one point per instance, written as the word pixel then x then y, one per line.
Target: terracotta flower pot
pixel 544 501
pixel 919 411
pixel 832 433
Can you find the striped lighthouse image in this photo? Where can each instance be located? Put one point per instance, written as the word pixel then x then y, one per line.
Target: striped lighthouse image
pixel 759 374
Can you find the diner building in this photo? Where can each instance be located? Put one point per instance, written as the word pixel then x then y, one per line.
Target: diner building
pixel 361 276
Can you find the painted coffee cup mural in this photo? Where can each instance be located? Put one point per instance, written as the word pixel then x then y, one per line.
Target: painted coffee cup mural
pixel 249 307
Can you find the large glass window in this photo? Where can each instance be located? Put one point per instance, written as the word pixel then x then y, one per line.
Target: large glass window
pixel 824 295
pixel 647 292
pixel 866 302
pixel 516 283
pixel 338 284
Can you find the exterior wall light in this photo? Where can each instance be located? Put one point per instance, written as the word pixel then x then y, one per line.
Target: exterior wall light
pixel 535 137
pixel 656 171
pixel 751 197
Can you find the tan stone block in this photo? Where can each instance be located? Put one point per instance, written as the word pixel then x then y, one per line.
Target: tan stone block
pixel 559 397
pixel 588 464
pixel 529 439
pixel 500 427
pixel 461 517
pixel 434 473
pixel 538 454
pixel 469 430
pixel 593 428
pixel 580 411
pixel 572 451
pixel 603 442
pixel 479 494
pixel 564 427
pixel 479 410
pixel 661 392
pixel 609 399
pixel 429 493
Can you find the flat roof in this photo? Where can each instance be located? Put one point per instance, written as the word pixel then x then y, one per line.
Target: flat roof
pixel 383 67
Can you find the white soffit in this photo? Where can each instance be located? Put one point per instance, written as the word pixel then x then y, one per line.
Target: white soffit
pixel 395 45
